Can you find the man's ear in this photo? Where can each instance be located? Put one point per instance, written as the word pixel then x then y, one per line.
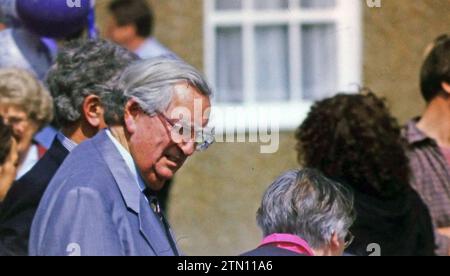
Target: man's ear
pixel 446 88
pixel 131 112
pixel 93 111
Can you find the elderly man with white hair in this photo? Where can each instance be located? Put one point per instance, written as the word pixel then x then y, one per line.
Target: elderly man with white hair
pixel 76 83
pixel 102 200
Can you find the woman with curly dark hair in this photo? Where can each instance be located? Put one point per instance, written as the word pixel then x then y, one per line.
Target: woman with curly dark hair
pixel 353 139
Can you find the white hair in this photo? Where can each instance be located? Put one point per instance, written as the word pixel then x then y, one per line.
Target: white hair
pixel 150 83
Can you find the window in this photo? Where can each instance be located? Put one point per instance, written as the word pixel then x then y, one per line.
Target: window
pixel 282 54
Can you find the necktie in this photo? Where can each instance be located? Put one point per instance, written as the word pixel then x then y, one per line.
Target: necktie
pixel 154 204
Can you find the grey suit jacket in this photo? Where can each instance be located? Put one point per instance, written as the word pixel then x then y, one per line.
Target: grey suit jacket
pixel 93 206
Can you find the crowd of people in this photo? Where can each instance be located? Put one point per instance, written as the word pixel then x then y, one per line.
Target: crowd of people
pixel 87 152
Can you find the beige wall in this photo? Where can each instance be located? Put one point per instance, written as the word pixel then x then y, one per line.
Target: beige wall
pixel 216 194
pixel 395 37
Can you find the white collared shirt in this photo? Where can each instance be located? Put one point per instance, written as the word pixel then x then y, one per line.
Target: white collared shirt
pixel 30 160
pixel 67 143
pixel 128 160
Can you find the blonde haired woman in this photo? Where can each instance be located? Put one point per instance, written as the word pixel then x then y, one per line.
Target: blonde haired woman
pixel 27 107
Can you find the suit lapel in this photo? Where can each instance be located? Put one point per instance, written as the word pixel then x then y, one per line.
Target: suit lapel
pixel 119 169
pixel 153 230
pixel 172 237
pixel 149 224
pixel 57 152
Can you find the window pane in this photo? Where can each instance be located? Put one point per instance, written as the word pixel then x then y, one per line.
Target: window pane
pixel 229 64
pixel 271 4
pixel 317 4
pixel 228 4
pixel 272 63
pixel 319 57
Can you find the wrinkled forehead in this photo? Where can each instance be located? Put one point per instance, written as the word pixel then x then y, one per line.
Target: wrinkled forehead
pixel 189 104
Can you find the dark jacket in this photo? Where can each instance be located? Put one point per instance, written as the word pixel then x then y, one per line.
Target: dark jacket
pixel 401 226
pixel 20 205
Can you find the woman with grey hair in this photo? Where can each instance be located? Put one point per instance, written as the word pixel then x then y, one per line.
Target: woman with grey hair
pixel 304 213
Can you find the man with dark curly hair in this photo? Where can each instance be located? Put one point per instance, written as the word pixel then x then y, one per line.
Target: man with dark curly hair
pixel 76 81
pixel 429 140
pixel 354 140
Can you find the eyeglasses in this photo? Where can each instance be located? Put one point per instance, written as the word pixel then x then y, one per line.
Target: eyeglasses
pixel 202 137
pixel 349 238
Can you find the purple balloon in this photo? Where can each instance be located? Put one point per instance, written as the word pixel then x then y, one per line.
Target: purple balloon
pixel 54 18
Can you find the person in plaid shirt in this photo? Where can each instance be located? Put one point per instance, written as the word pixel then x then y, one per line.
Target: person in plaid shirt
pixel 429 141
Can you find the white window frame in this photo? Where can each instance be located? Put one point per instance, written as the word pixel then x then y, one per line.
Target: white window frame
pixel 347 15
